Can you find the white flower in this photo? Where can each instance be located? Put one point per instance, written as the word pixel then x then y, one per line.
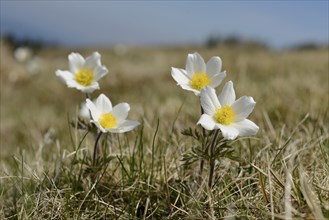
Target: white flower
pixel 226 114
pixel 84 111
pixel 197 74
pixel 109 119
pixel 84 73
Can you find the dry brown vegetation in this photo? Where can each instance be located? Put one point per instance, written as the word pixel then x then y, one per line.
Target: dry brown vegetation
pixel 282 173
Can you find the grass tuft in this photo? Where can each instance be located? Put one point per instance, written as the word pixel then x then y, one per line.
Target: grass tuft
pixel 47 169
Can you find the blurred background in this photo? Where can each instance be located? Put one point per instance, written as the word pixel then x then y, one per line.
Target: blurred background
pixel 278 24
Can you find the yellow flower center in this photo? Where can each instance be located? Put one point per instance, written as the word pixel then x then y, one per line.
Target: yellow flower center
pixel 199 81
pixel 225 115
pixel 84 77
pixel 107 120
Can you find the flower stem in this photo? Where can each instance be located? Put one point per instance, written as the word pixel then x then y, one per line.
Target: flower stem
pixel 96 147
pixel 203 148
pixel 212 159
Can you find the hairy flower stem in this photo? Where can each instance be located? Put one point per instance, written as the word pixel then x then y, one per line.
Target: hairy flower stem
pixel 212 159
pixel 96 147
pixel 203 148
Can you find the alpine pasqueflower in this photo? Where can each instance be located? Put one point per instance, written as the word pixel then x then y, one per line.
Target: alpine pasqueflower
pixel 84 73
pixel 226 113
pixel 109 119
pixel 197 74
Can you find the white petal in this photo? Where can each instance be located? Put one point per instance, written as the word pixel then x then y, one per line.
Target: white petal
pixel 95 114
pixel 93 61
pixel 180 76
pixel 187 87
pixel 100 71
pixel 73 84
pixel 214 66
pixel 64 75
pixel 120 112
pixel 99 126
pixel 246 127
pixel 125 126
pixel 217 79
pixel 68 78
pixel 227 96
pixel 84 89
pixel 229 132
pixel 243 107
pixel 89 89
pixel 195 64
pixel 103 104
pixel 76 62
pixel 182 80
pixel 209 100
pixel 207 122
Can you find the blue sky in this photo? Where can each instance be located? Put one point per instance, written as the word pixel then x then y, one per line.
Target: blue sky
pixel 91 23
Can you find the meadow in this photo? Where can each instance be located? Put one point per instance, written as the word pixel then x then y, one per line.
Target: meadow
pixel 281 173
